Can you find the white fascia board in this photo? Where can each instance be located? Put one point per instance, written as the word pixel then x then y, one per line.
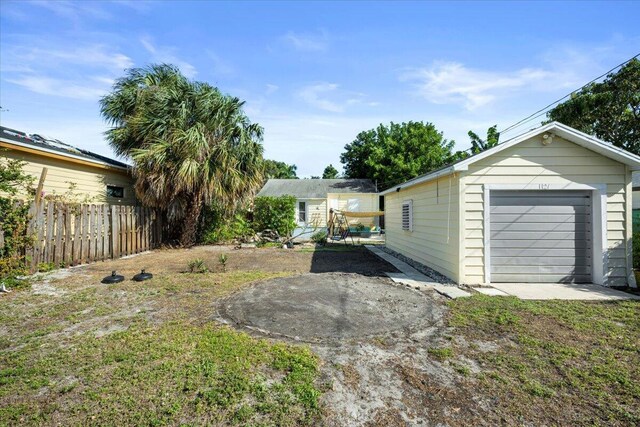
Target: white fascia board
pixel 59 153
pixel 420 180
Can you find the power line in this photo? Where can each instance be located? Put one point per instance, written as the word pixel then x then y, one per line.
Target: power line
pixel 544 110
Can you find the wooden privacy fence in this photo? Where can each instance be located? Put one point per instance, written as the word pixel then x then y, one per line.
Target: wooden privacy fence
pixel 72 234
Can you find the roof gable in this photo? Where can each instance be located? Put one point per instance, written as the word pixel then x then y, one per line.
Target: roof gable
pixel 554 128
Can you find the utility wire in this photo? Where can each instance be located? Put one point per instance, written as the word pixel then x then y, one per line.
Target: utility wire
pixel 544 110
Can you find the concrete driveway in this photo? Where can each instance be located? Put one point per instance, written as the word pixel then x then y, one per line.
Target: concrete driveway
pixel 563 291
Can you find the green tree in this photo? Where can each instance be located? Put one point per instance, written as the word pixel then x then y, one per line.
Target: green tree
pixel 609 110
pixel 330 173
pixel 274 169
pixel 478 144
pixel 190 144
pixel 393 154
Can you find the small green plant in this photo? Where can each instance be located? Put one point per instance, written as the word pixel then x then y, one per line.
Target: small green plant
pixel 441 353
pixel 319 237
pixel 197 266
pixel 360 227
pixel 44 267
pixel 223 261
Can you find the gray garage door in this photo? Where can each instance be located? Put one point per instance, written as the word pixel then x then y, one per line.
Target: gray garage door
pixel 540 236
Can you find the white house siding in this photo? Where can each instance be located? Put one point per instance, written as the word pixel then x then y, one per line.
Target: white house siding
pixel 530 162
pixel 364 202
pixel 316 212
pixel 435 238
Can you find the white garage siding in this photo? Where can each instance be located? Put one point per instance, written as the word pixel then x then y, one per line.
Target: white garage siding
pixel 434 239
pixel 531 162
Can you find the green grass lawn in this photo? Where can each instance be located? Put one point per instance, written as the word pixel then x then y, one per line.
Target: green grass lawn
pixel 173 368
pixel 555 362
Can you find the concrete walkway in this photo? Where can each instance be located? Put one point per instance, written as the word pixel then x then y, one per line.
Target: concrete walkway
pixel 563 291
pixel 412 277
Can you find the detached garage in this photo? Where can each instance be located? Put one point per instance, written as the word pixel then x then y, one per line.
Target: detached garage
pixel 552 205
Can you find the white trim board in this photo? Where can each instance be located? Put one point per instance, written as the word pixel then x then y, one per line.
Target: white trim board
pixel 598 223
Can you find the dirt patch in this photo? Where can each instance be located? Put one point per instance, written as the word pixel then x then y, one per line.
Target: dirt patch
pixel 330 307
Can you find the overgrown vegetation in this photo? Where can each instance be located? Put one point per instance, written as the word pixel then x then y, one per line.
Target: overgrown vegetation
pixel 275 213
pixel 14 218
pixel 583 354
pixel 216 227
pixel 319 237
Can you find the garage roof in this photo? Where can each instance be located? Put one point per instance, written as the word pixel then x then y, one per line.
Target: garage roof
pixel 315 188
pixel 558 129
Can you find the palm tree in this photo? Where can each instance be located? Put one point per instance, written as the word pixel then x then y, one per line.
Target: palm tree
pixel 190 144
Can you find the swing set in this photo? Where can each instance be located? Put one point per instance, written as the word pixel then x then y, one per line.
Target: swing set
pixel 338 225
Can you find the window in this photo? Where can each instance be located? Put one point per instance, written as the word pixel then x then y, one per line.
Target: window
pixel 302 212
pixel 353 205
pixel 115 191
pixel 407 215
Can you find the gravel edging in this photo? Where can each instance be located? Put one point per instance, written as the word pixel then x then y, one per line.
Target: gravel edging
pixel 438 277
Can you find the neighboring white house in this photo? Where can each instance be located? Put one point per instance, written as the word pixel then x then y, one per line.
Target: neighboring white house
pixel 551 205
pixel 316 197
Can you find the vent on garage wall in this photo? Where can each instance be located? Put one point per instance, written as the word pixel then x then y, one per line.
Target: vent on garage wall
pixel 407 215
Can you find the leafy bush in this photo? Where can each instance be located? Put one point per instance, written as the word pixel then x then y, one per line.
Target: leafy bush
pixel 215 228
pixel 319 237
pixel 14 217
pixel 275 213
pixel 197 266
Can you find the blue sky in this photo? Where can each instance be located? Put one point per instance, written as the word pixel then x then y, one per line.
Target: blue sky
pixel 312 74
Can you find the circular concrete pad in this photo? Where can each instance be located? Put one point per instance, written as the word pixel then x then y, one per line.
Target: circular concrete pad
pixel 330 306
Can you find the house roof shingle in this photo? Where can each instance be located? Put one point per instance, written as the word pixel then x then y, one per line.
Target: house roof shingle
pixel 315 188
pixel 39 142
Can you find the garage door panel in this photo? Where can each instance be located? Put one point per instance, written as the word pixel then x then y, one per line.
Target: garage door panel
pixel 540 210
pixel 500 218
pixel 538 269
pixel 539 244
pixel 528 252
pixel 540 278
pixel 538 236
pixel 535 235
pixel 538 226
pixel 550 261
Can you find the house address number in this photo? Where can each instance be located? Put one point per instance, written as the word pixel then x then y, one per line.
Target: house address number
pixel 544 186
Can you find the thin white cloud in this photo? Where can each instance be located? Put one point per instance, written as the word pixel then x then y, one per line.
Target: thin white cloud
pixel 453 83
pixel 314 95
pixel 167 55
pixel 81 71
pixel 61 87
pixel 271 88
pixel 307 42
pixel 220 66
pixel 328 97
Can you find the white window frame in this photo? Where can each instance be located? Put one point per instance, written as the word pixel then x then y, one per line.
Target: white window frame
pixel 408 203
pixel 306 211
pixel 600 261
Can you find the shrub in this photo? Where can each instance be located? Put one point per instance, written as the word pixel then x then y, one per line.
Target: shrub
pixel 197 266
pixel 14 217
pixel 275 213
pixel 215 228
pixel 319 237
